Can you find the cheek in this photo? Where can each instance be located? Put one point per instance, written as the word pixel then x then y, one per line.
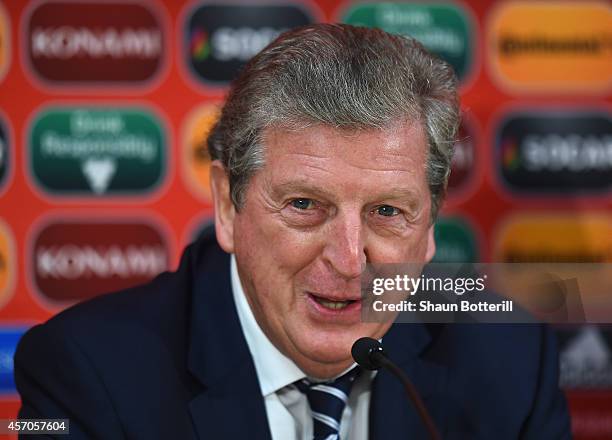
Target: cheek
pixel 289 247
pixel 272 255
pixel 406 250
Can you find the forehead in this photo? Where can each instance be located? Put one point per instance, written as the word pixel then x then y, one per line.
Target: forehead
pixel 400 147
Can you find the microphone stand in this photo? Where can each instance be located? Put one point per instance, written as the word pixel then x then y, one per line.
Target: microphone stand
pixel 383 360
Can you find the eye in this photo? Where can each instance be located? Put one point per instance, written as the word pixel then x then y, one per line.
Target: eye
pixel 387 211
pixel 302 203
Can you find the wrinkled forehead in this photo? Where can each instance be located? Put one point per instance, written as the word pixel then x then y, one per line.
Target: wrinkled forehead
pixel 398 141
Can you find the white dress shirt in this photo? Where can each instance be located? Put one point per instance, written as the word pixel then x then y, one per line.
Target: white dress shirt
pixel 287 408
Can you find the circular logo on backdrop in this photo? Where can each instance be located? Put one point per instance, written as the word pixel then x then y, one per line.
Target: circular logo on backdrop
pixel 8 261
pixel 455 241
pixel 5 42
pixel 76 259
pixel 97 151
pixel 85 43
pixel 9 338
pixel 444 29
pixel 555 47
pixel 544 152
pixel 219 39
pixel 5 155
pixel 464 164
pixel 555 238
pixel 196 159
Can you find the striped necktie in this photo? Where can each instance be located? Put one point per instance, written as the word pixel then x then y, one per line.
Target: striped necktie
pixel 327 401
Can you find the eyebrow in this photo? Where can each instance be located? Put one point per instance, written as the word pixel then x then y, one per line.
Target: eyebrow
pixel 300 186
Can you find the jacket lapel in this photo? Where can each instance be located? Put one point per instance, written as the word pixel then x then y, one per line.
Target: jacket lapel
pixel 229 403
pixel 392 415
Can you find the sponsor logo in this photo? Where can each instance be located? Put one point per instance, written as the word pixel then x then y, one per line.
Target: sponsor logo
pixel 552 46
pixel 463 164
pixel 87 42
pixel 4 154
pixel 220 39
pixel 585 357
pixel 455 241
pixel 579 245
pixel 7 263
pixel 536 239
pixel 196 157
pixel 76 260
pixel 556 152
pixel 199 45
pixel 5 42
pixel 97 151
pixel 591 412
pixel 9 337
pixel 442 28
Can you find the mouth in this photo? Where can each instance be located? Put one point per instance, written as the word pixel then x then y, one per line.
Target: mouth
pixel 332 306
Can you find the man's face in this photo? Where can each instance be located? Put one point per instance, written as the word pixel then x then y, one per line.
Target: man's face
pixel 326 202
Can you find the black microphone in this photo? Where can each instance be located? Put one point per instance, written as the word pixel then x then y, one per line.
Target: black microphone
pixel 369 354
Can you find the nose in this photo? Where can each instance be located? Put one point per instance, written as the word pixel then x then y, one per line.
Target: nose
pixel 345 248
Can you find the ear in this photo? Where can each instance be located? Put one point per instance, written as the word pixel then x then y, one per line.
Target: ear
pixel 225 211
pixel 431 244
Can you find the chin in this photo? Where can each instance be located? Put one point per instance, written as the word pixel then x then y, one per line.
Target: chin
pixel 331 353
pixel 330 347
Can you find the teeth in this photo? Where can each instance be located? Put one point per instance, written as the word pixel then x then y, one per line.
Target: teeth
pixel 332 304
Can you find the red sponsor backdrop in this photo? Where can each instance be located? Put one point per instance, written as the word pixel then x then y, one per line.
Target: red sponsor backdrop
pixel 179 209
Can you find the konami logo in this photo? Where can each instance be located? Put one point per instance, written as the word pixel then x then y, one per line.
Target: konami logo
pixel 87 42
pixel 76 260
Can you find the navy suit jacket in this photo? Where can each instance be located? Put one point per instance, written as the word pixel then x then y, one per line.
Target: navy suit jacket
pixel 168 360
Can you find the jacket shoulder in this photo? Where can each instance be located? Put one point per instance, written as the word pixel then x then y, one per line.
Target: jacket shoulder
pixel 97 361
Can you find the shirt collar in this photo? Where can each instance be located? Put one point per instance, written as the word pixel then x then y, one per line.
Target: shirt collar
pixel 274 369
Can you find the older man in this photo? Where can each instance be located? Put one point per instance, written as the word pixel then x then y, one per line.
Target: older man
pixel 332 151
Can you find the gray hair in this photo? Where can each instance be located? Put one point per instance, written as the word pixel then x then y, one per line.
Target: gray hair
pixel 344 76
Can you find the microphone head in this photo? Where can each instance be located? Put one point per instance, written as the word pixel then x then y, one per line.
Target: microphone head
pixel 364 352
